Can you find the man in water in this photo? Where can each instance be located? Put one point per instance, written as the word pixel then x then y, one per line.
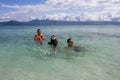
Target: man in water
pixel 39 37
pixel 70 45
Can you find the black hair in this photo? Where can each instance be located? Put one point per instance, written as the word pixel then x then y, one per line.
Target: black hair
pixel 38 30
pixel 69 39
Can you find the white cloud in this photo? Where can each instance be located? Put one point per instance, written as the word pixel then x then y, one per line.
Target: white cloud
pixel 8 6
pixel 4 17
pixel 68 10
pixel 71 17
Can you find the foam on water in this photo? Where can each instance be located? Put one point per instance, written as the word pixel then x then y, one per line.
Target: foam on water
pixel 21 58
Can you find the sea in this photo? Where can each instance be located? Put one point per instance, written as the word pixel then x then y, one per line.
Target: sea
pixel 22 58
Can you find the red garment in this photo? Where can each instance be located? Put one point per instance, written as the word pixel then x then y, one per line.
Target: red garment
pixel 39 37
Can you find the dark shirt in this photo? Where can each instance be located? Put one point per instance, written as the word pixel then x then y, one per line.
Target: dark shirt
pixel 53 42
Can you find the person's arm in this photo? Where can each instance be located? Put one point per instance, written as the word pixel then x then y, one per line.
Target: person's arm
pixel 35 37
pixel 43 37
pixel 38 39
pixel 59 42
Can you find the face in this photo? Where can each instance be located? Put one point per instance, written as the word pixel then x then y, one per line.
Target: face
pixel 39 32
pixel 53 37
pixel 70 43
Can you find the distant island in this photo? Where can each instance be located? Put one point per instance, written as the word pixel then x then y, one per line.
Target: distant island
pixel 57 22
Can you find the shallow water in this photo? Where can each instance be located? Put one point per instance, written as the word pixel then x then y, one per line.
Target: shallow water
pixel 21 58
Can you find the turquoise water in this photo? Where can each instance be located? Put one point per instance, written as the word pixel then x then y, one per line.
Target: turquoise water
pixel 21 58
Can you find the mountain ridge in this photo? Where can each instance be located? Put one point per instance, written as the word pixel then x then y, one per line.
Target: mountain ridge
pixel 58 22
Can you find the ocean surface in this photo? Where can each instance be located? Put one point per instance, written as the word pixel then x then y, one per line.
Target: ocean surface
pixel 21 58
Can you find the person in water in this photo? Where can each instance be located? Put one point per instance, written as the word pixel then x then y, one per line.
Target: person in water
pixel 70 45
pixel 39 37
pixel 53 41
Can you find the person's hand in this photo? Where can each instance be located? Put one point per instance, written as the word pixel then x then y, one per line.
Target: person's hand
pixel 59 42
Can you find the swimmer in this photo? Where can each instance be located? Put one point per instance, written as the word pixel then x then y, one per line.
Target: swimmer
pixel 70 45
pixel 39 37
pixel 53 41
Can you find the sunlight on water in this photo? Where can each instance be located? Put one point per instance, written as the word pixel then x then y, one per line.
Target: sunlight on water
pixel 21 58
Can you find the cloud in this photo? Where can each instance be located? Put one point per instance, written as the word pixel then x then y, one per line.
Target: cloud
pixel 4 17
pixel 67 10
pixel 9 6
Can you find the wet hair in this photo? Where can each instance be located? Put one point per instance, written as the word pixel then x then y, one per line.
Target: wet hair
pixel 38 30
pixel 53 35
pixel 69 40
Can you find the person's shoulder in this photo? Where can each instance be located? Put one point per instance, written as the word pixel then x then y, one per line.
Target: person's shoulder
pixel 78 48
pixel 43 36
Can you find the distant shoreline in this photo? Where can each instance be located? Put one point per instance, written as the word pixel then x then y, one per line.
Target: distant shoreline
pixel 56 22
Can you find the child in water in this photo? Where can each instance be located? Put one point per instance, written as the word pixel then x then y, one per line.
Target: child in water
pixel 39 37
pixel 53 41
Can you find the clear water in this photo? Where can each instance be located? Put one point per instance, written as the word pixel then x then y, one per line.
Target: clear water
pixel 21 58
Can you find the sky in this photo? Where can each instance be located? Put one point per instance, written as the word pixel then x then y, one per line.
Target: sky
pixel 67 10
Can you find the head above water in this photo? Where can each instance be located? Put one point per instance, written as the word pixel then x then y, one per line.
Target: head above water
pixel 39 31
pixel 53 37
pixel 70 42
